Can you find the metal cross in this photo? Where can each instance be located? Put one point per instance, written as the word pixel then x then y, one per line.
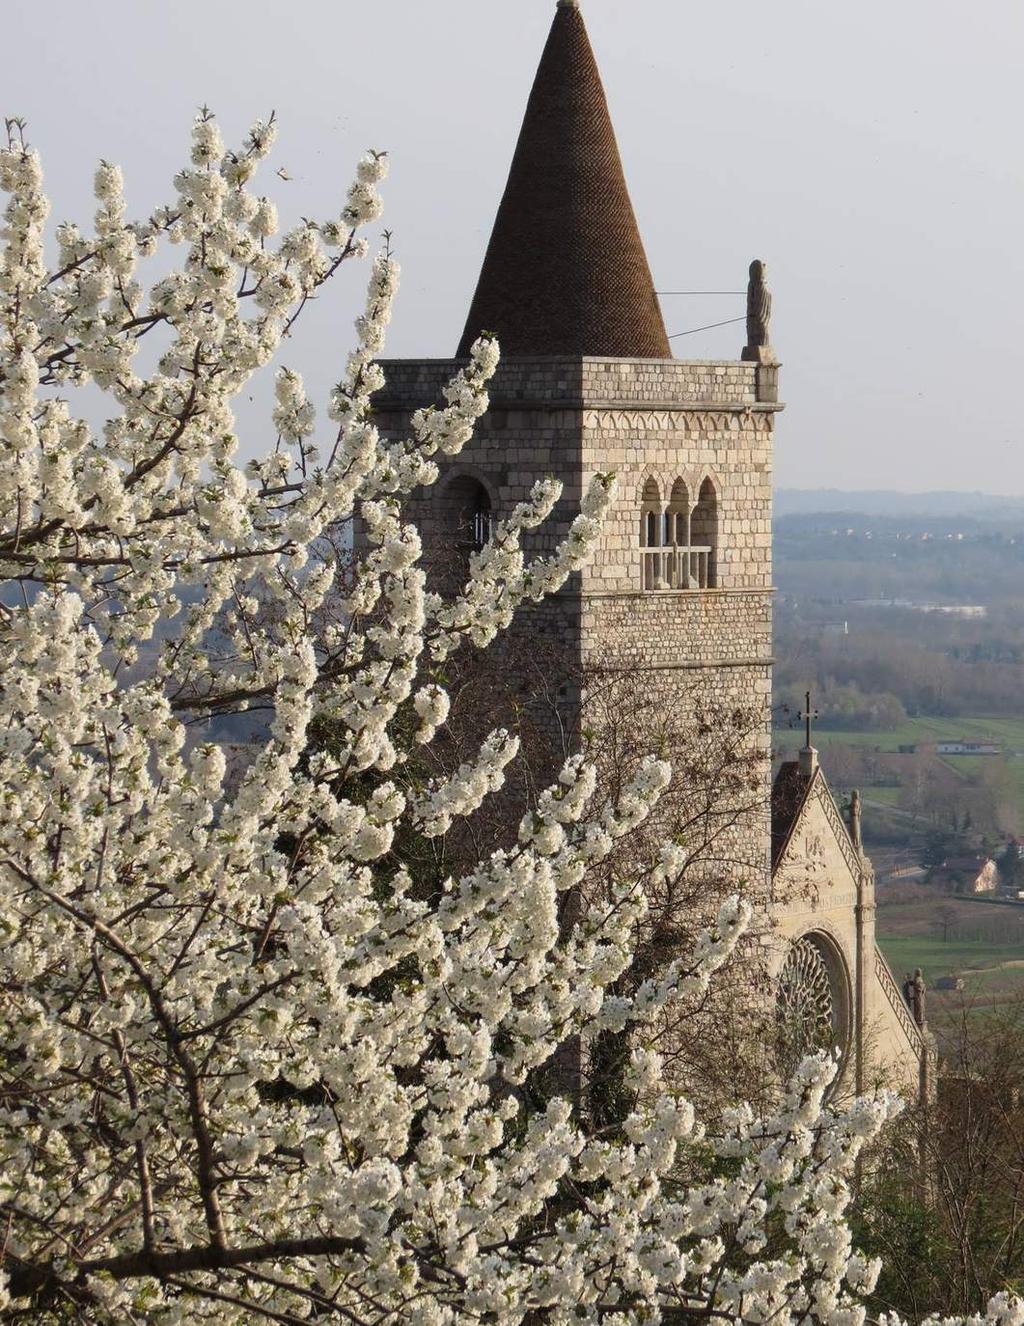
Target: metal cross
pixel 809 716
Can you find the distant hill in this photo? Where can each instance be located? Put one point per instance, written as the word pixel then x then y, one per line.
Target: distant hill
pixel 878 502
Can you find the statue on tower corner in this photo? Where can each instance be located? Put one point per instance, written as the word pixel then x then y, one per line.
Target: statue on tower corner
pixel 758 349
pixel 759 316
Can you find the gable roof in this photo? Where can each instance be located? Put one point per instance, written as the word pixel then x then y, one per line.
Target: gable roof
pixel 792 793
pixel 789 793
pixel 565 272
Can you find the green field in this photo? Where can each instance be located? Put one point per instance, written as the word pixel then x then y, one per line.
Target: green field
pixel 937 958
pixel 994 980
pixel 1009 732
pixel 888 796
pixel 923 732
pixel 984 947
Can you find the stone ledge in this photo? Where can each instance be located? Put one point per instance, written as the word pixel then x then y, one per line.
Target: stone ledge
pixel 574 361
pixel 704 666
pixel 656 594
pixel 640 405
pixel 634 404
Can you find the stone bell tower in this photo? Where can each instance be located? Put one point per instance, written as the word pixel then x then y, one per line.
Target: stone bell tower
pixel 681 584
pixel 678 596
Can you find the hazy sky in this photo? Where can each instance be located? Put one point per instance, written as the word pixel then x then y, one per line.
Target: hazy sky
pixel 871 153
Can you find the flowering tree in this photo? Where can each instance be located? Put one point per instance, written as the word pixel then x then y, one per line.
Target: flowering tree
pixel 250 1070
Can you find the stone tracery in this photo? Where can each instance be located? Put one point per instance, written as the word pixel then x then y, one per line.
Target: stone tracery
pixel 808 1003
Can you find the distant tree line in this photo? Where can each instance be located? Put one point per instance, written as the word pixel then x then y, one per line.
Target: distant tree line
pixel 891 668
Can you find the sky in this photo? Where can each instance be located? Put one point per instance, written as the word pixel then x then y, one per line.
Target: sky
pixel 870 153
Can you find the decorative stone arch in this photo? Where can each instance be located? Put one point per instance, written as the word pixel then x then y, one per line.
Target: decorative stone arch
pixel 814 998
pixel 464 470
pixel 649 500
pixel 649 476
pixel 679 529
pixel 651 532
pixel 677 515
pixel 696 476
pixel 704 530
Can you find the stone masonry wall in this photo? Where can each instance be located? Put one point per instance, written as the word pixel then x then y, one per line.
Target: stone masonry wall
pixel 644 419
pixel 663 427
pixel 684 629
pixel 649 381
pixel 415 382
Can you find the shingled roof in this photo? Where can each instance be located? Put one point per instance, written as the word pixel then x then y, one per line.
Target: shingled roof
pixel 565 271
pixel 789 795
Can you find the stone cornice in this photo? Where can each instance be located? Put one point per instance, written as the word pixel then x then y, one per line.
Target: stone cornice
pixel 703 666
pixel 569 362
pixel 388 404
pixel 656 595
pixel 634 406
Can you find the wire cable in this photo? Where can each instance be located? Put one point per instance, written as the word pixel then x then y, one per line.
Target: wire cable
pixel 693 330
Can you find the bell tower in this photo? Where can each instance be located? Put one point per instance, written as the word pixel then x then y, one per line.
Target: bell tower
pixel 679 590
pixel 675 605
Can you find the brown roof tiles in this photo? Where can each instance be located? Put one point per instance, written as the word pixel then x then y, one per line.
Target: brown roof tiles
pixel 565 270
pixel 789 794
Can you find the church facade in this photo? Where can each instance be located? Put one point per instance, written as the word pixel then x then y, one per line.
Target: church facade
pixel 680 589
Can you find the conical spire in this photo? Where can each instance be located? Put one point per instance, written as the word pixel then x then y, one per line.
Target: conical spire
pixel 565 271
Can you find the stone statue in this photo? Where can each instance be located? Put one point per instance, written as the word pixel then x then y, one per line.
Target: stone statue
pixel 919 993
pixel 759 307
pixel 855 813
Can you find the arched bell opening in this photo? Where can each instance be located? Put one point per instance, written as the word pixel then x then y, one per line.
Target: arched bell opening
pixel 704 536
pixel 680 570
pixel 652 533
pixel 467 511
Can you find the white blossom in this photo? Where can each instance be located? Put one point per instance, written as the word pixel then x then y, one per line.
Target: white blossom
pixel 254 1068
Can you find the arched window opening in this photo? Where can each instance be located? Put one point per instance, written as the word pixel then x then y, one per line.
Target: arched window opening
pixel 677 537
pixel 468 511
pixel 652 523
pixel 704 537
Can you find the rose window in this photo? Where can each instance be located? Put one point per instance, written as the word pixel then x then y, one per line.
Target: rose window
pixel 808 1004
